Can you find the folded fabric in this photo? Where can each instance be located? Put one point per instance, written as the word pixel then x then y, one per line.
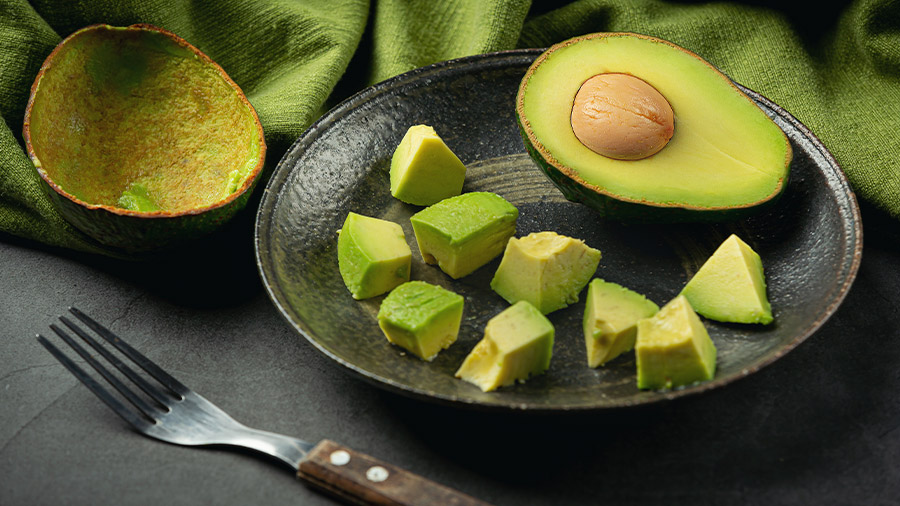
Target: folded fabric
pixel 839 75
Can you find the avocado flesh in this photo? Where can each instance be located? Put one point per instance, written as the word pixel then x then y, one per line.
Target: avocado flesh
pixel 725 152
pixel 611 313
pixel 462 233
pixel 517 344
pixel 122 108
pixel 673 348
pixel 373 255
pixel 137 198
pixel 546 269
pixel 424 170
pixel 421 318
pixel 731 286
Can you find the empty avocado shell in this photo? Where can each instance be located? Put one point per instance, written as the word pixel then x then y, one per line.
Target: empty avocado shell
pixel 140 139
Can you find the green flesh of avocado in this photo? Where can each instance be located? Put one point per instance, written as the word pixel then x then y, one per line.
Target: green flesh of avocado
pixel 730 286
pixel 423 169
pixel 726 157
pixel 135 118
pixel 373 255
pixel 137 198
pixel 517 343
pixel 546 269
pixel 462 233
pixel 673 348
pixel 611 314
pixel 421 317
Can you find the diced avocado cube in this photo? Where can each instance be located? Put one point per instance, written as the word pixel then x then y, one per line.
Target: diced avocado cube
pixel 462 233
pixel 546 269
pixel 421 317
pixel 611 313
pixel 373 255
pixel 517 343
pixel 423 169
pixel 730 286
pixel 673 348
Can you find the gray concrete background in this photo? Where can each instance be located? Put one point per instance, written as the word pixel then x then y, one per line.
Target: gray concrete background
pixel 820 426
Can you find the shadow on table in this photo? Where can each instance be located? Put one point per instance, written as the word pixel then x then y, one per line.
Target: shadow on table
pixel 218 270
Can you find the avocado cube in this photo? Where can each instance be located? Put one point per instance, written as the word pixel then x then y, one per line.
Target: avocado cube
pixel 423 169
pixel 517 343
pixel 611 314
pixel 373 255
pixel 421 317
pixel 546 269
pixel 462 233
pixel 730 286
pixel 673 348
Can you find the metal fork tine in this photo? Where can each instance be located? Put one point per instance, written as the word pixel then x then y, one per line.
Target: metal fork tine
pixel 151 390
pixel 148 410
pixel 146 364
pixel 137 421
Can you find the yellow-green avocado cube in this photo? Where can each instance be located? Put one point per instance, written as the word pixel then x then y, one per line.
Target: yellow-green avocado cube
pixel 373 255
pixel 462 233
pixel 546 269
pixel 730 286
pixel 421 317
pixel 517 343
pixel 673 348
pixel 423 169
pixel 611 313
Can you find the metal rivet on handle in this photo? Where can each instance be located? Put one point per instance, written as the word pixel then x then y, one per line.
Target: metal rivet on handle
pixel 340 457
pixel 377 474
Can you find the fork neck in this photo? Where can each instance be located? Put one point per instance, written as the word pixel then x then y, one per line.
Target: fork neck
pixel 284 448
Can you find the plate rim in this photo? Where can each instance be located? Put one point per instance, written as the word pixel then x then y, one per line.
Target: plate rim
pixel 282 171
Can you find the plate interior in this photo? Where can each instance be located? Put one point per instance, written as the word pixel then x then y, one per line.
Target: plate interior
pixel 810 242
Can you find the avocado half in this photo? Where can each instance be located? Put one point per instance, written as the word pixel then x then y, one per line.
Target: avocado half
pixel 141 140
pixel 726 158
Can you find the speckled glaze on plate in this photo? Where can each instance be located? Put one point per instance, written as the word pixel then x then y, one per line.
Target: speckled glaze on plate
pixel 810 242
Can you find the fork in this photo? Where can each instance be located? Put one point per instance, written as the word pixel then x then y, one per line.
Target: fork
pixel 177 414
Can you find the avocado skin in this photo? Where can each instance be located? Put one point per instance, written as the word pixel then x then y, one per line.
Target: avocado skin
pixel 132 234
pixel 635 212
pixel 128 234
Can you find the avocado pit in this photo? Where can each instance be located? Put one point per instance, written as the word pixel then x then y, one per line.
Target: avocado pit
pixel 621 116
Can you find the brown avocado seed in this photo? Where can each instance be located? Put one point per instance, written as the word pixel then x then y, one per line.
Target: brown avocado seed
pixel 621 116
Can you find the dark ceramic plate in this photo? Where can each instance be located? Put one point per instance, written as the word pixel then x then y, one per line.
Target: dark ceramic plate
pixel 810 242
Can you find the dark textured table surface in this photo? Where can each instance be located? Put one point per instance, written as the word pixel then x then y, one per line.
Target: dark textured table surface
pixel 820 426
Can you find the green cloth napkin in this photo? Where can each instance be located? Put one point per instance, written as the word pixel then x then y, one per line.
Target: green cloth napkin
pixel 836 68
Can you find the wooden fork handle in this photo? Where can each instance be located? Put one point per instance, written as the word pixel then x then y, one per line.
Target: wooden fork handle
pixel 360 479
